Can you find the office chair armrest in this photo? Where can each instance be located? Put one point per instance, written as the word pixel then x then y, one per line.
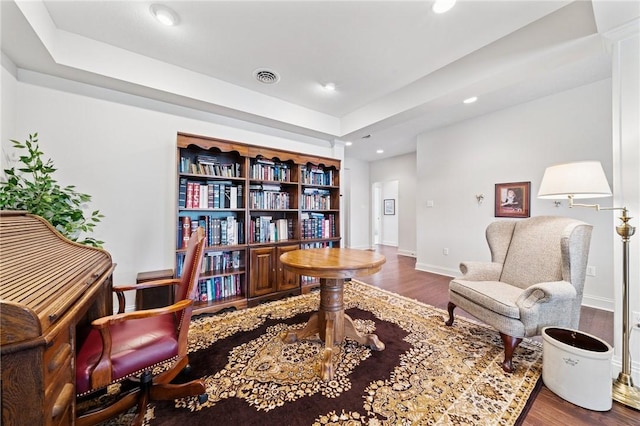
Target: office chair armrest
pixel 120 289
pixel 147 284
pixel 120 317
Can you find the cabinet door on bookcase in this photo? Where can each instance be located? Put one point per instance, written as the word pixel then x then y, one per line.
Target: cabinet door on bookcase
pixel 286 280
pixel 263 271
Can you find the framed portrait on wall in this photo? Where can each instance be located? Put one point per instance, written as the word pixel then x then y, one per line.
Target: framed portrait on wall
pixel 513 199
pixel 390 206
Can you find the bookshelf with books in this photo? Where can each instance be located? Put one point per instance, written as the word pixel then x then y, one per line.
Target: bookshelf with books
pixel 320 210
pixel 255 203
pixel 211 194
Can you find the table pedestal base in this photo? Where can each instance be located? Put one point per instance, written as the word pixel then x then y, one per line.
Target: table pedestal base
pixel 332 325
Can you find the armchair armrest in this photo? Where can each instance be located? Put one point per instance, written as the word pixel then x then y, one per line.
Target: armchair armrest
pixel 481 271
pixel 545 303
pixel 553 291
pixel 120 289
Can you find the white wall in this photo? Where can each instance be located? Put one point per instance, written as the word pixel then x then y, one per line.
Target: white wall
pixel 389 229
pixel 402 226
pixel 8 100
pixel 357 191
pixel 124 156
pixel 512 145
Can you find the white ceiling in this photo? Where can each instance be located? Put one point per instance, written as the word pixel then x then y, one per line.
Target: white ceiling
pixel 399 69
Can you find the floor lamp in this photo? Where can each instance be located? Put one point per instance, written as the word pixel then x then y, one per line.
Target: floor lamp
pixel 586 179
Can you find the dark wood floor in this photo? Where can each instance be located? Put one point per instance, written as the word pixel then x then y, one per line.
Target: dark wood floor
pixel 399 276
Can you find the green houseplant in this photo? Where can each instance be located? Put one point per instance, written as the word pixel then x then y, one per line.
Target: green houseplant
pixel 31 187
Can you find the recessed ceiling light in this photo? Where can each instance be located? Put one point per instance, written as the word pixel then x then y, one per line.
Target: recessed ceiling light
pixel 163 14
pixel 329 87
pixel 380 151
pixel 470 100
pixel 348 143
pixel 442 6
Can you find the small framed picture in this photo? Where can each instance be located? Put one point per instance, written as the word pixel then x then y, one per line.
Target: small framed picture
pixel 513 199
pixel 390 206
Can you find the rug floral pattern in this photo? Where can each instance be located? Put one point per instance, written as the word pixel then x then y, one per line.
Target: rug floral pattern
pixel 449 376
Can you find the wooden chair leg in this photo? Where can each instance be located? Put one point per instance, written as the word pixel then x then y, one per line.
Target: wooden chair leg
pixel 510 344
pixel 450 307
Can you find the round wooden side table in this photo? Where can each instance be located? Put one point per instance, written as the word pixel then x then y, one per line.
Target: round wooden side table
pixel 332 266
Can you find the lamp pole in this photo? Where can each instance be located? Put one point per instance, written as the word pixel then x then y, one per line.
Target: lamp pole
pixel 623 389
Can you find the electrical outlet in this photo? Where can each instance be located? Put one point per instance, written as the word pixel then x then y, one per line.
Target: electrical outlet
pixel 445 251
pixel 591 271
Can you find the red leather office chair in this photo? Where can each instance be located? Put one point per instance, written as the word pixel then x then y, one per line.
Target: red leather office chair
pixel 125 347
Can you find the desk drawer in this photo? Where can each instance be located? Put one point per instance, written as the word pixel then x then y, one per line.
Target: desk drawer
pixel 58 379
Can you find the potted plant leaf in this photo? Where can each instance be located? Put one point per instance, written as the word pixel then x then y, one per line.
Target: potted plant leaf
pixel 31 187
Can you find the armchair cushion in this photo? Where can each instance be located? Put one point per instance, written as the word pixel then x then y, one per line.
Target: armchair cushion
pixel 495 296
pixel 137 344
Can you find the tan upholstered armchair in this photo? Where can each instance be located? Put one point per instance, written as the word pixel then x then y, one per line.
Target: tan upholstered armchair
pixel 535 279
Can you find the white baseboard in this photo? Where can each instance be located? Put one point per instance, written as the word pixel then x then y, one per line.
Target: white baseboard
pixel 407 253
pixel 616 362
pixel 598 303
pixel 361 247
pixel 437 270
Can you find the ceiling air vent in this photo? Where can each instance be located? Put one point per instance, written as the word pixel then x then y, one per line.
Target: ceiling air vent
pixel 266 76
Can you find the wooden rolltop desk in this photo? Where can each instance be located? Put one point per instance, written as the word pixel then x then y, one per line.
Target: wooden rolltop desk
pixel 50 290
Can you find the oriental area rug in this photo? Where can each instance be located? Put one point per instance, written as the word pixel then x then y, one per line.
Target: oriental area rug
pixel 428 374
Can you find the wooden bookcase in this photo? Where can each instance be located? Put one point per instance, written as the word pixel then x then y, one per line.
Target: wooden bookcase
pixel 255 204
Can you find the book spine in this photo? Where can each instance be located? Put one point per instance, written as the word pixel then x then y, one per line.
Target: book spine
pixel 189 201
pixel 186 230
pixel 196 195
pixel 182 193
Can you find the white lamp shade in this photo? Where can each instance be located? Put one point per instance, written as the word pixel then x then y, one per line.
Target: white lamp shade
pixel 582 179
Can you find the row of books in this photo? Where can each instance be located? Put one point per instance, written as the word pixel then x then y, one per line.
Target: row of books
pixel 316 176
pixel 219 288
pixel 316 199
pixel 263 229
pixel 270 170
pixel 318 225
pixel 269 200
pixel 218 231
pixel 215 262
pixel 209 195
pixel 209 166
pixel 317 244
